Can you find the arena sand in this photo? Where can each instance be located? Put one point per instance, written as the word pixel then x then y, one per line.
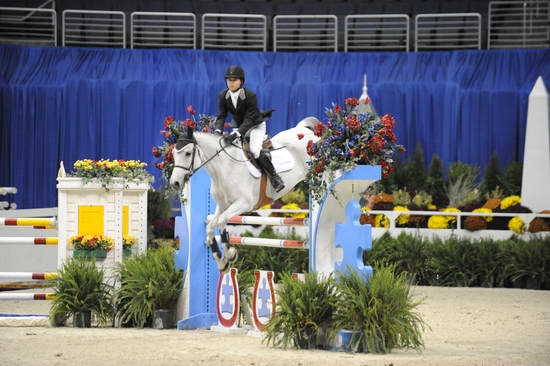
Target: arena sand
pixel 469 326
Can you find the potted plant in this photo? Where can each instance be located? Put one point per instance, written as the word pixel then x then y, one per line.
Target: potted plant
pixel 127 243
pixel 150 287
pixel 80 290
pixel 91 246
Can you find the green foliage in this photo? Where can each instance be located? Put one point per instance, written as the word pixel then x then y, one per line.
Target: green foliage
pixel 279 260
pixel 466 262
pixel 381 309
pixel 305 312
pixel 294 196
pixel 459 169
pixel 148 282
pixel 462 190
pixel 158 206
pixel 435 182
pixel 422 199
pixel 490 181
pixel 497 193
pixel 416 170
pixel 510 179
pixel 408 253
pixel 401 197
pixel 80 287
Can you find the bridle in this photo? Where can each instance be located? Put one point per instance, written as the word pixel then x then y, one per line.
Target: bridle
pixel 191 168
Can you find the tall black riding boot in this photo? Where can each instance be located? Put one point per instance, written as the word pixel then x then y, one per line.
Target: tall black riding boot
pixel 269 170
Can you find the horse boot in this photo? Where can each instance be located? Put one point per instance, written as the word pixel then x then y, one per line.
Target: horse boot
pixel 223 264
pixel 269 170
pixel 231 254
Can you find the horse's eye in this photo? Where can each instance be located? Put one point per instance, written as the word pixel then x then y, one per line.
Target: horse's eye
pixel 187 154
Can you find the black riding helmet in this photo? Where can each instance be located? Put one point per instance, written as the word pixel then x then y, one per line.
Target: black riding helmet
pixel 236 72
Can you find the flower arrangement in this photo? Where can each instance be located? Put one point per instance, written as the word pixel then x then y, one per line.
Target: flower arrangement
pixel 347 139
pixel 91 242
pixel 509 202
pixel 128 242
pixel 294 206
pixel 173 128
pixel 438 222
pixel 105 170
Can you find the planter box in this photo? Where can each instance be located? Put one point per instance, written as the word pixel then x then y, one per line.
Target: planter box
pixel 98 254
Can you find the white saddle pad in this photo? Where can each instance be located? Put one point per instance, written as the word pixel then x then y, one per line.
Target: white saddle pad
pixel 282 162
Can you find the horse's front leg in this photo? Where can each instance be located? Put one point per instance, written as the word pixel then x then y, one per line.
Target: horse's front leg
pixel 211 226
pixel 213 244
pixel 236 208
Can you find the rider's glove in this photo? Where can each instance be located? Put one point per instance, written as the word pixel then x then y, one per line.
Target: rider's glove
pixel 229 138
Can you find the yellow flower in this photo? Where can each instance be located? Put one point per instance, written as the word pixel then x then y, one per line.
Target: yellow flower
pixel 509 201
pixel 438 222
pixel 293 206
pixel 451 219
pixel 402 219
pixel 265 207
pixel 485 210
pixel 381 221
pixel 517 225
pixel 431 206
pixel 129 240
pixel 365 208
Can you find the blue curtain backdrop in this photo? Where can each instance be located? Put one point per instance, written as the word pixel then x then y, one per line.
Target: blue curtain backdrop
pixel 72 103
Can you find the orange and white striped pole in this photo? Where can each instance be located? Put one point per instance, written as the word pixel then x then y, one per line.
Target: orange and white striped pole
pixel 274 243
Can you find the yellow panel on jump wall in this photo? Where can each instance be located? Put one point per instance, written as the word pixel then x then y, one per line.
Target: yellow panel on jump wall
pixel 125 221
pixel 91 220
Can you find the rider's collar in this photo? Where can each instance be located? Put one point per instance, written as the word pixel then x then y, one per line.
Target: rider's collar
pixel 241 92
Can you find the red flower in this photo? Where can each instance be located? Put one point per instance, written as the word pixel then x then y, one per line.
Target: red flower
pixel 329 123
pixel 169 157
pixel 189 123
pixel 319 128
pixel 205 129
pixel 351 101
pixel 310 145
pixel 319 169
pixel 336 132
pixel 300 136
pixel 156 152
pixel 352 122
pixel 402 149
pixel 389 133
pixel 162 165
pixel 388 121
pixel 377 143
pixel 191 110
pixel 353 152
pixel 337 109
pixel 367 100
pixel 168 121
pixel 166 134
pixel 226 125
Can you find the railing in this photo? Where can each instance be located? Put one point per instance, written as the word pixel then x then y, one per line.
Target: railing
pixel 235 31
pixel 519 24
pixel 447 31
pixel 94 28
pixel 155 29
pixel 305 32
pixel 377 33
pixel 29 26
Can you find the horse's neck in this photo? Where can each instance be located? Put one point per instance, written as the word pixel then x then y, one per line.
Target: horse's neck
pixel 209 145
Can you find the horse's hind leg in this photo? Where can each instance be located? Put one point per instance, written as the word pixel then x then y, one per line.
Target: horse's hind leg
pixel 223 263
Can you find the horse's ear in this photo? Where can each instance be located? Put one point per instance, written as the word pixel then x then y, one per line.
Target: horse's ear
pixel 190 132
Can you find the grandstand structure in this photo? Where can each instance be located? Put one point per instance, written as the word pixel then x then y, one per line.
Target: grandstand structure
pixel 279 25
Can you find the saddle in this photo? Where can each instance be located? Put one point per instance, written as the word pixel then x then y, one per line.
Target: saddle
pixel 267 146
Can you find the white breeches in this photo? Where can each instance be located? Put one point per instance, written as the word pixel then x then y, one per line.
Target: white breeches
pixel 257 135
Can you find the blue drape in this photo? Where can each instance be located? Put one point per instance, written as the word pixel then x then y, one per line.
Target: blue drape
pixel 72 103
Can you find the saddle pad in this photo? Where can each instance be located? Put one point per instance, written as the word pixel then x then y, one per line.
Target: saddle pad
pixel 281 158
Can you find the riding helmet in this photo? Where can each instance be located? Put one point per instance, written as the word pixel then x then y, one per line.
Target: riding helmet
pixel 236 72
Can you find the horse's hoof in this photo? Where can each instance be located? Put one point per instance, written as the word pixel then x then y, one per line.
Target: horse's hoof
pixel 231 255
pixel 223 264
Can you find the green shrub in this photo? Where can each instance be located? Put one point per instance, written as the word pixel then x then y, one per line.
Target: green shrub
pixel 435 182
pixel 529 261
pixel 490 181
pixel 460 169
pixel 380 309
pixel 149 282
pixel 462 190
pixel 80 287
pixel 305 312
pixel 416 170
pixel 510 178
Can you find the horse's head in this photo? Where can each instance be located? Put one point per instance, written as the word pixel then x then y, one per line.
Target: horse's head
pixel 186 159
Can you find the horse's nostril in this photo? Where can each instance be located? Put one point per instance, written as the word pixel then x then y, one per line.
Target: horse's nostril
pixel 177 184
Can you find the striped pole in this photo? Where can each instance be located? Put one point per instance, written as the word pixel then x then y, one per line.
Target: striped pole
pixel 29 296
pixel 15 286
pixel 275 221
pixel 275 243
pixel 8 190
pixel 28 240
pixel 28 276
pixel 45 221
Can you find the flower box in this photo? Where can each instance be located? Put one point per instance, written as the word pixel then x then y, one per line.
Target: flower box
pixel 97 254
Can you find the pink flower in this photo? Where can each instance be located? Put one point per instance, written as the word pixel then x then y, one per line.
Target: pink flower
pixel 191 110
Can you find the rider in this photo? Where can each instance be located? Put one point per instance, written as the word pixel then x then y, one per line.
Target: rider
pixel 243 106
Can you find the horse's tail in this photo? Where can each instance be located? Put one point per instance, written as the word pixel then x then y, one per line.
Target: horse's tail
pixel 308 122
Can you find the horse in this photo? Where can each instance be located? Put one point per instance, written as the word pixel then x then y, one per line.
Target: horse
pixel 233 187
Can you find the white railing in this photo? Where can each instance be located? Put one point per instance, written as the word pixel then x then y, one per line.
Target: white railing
pixel 519 24
pixel 156 29
pixel 234 31
pixel 94 28
pixel 305 33
pixel 447 31
pixel 377 33
pixel 28 26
